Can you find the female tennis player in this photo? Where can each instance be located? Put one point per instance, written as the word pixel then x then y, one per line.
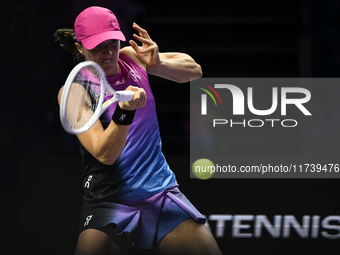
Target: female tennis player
pixel 131 194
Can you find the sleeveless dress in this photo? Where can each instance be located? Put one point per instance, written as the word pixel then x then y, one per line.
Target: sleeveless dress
pixel 139 192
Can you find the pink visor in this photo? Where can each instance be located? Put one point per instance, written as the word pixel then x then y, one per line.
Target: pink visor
pixel 95 25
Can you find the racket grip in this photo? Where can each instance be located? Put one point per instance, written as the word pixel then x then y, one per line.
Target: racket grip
pixel 125 95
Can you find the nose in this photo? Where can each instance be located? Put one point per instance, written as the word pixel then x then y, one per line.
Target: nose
pixel 107 52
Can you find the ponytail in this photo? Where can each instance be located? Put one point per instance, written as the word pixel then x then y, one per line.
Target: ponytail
pixel 67 40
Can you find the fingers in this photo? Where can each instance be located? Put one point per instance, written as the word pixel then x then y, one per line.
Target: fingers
pixel 142 32
pixel 138 100
pixel 132 88
pixel 148 46
pixel 148 52
pixel 134 46
pixel 142 40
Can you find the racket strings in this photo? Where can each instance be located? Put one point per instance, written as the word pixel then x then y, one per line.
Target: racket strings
pixel 83 98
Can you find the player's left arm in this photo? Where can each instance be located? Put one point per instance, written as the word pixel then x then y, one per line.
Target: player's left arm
pixel 175 66
pixel 178 67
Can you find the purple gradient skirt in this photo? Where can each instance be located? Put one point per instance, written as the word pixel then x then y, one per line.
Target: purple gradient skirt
pixel 147 221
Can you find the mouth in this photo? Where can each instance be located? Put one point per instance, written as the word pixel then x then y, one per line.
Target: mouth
pixel 107 61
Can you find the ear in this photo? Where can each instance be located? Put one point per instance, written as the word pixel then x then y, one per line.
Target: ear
pixel 79 47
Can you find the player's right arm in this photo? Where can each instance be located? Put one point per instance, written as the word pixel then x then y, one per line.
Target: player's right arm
pixel 106 145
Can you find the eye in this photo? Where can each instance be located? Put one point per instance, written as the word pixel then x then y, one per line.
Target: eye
pixel 96 48
pixel 113 41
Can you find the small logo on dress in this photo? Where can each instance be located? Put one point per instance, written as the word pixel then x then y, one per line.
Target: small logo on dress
pixel 135 76
pixel 88 218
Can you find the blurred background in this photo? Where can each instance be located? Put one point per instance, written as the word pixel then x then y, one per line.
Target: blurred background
pixel 41 176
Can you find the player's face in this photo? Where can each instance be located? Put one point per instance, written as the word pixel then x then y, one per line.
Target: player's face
pixel 106 55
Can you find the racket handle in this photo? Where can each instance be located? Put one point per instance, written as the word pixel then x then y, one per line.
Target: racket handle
pixel 125 95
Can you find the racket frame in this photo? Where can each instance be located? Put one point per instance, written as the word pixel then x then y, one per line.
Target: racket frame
pixel 100 108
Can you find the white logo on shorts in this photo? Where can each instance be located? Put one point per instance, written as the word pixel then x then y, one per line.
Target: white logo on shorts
pixel 88 218
pixel 87 184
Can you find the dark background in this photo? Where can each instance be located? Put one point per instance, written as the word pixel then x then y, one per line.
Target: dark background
pixel 41 178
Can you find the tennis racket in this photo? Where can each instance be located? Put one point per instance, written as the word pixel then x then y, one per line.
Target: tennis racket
pixel 82 100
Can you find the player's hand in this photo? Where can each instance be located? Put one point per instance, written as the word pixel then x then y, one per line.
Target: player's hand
pixel 149 52
pixel 138 100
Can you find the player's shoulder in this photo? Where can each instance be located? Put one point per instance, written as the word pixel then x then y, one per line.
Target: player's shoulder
pixel 130 52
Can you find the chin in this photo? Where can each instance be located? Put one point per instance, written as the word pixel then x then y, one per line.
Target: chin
pixel 110 70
